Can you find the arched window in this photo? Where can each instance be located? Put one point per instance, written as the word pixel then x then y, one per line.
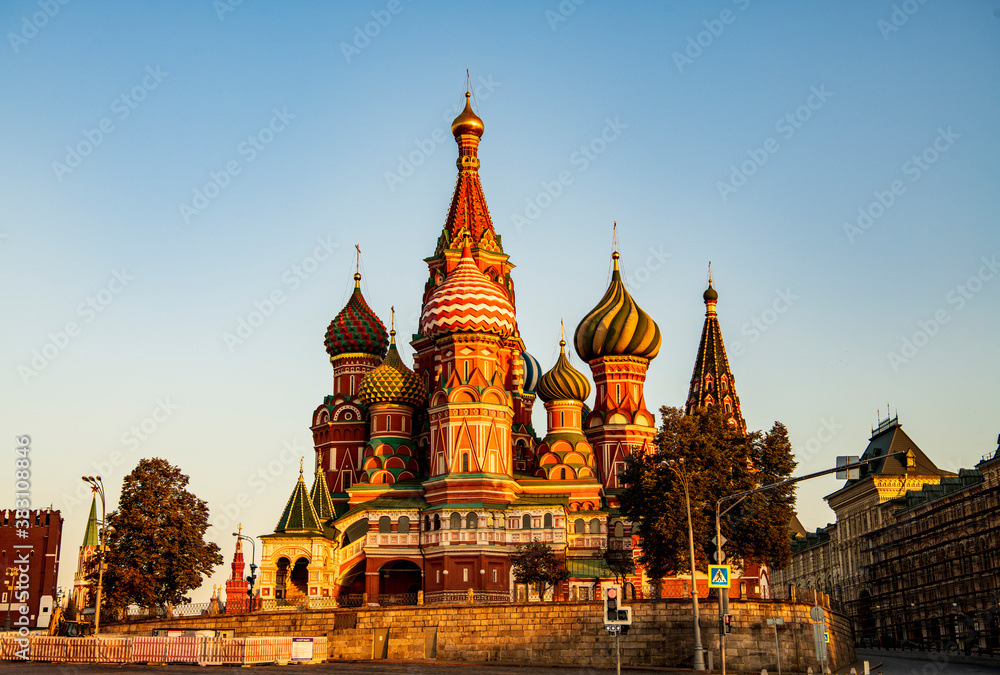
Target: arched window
pixel 465 462
pixel 471 521
pixel 547 522
pixel 384 524
pixel 456 521
pixel 619 529
pixel 579 527
pixel 437 522
pixel 595 526
pixel 562 474
pixel 427 523
pixel 526 522
pixel 403 526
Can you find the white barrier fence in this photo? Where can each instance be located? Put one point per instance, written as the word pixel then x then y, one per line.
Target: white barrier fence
pixel 204 651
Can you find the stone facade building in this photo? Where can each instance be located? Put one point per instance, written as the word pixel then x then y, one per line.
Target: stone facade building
pixel 912 557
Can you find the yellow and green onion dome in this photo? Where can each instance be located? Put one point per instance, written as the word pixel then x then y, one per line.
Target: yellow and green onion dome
pixel 563 382
pixel 467 302
pixel 356 329
pixel 392 382
pixel 532 373
pixel 617 326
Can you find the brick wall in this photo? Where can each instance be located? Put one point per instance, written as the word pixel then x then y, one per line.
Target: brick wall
pixel 550 633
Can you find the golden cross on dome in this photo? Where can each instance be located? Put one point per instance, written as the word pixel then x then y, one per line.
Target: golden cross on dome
pixel 709 272
pixel 562 336
pixel 357 267
pixel 300 467
pixel 614 234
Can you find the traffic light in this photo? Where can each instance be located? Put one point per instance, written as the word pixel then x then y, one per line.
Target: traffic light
pixel 611 595
pixel 614 614
pixel 727 619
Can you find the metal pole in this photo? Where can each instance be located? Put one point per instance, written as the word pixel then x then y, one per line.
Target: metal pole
pixel 618 652
pixel 100 565
pixel 699 657
pixel 722 628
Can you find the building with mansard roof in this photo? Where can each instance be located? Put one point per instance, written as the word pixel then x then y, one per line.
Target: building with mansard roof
pixel 427 478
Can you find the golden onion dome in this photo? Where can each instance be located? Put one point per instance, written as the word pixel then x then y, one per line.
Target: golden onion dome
pixel 617 326
pixel 563 382
pixel 467 121
pixel 392 381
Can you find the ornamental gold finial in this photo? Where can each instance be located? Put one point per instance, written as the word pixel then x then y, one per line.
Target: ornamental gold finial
pixel 614 234
pixel 357 267
pixel 392 324
pixel 562 337
pixel 301 459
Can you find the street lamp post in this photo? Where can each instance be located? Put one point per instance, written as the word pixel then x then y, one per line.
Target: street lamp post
pixel 737 497
pixel 96 485
pixel 673 465
pixel 253 568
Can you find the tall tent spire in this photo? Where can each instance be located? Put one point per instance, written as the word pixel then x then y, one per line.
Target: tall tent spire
pixel 712 381
pixel 90 536
pixel 300 515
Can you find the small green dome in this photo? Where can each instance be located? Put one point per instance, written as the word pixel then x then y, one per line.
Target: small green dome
pixel 711 295
pixel 563 382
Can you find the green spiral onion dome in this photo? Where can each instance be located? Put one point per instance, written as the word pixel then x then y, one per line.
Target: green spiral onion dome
pixel 617 326
pixel 356 329
pixel 563 382
pixel 392 382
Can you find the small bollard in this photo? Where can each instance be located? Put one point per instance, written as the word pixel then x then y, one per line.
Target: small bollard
pixel 854 671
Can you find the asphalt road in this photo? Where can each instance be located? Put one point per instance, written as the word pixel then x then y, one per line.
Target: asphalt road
pixel 925 665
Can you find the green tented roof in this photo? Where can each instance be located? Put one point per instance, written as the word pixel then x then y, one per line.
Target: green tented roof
pixel 319 495
pixel 90 538
pixel 299 516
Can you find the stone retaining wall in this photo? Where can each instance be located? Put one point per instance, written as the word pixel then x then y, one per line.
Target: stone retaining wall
pixel 549 633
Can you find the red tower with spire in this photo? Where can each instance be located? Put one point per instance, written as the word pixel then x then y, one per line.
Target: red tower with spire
pixel 237 600
pixel 618 340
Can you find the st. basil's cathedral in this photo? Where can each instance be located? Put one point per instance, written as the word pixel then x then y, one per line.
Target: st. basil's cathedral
pixel 428 479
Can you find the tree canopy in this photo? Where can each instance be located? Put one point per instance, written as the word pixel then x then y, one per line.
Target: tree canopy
pixel 718 460
pixel 156 551
pixel 536 564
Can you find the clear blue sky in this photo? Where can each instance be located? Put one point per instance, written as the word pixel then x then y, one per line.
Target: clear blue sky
pixel 300 117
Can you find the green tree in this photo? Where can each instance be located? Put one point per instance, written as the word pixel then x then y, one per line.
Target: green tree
pixel 156 548
pixel 536 564
pixel 716 460
pixel 620 562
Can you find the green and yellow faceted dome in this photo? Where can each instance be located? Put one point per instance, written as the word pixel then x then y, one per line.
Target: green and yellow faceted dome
pixel 617 326
pixel 563 382
pixel 392 382
pixel 356 329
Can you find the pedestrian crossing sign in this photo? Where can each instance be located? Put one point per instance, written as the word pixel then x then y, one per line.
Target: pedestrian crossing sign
pixel 718 576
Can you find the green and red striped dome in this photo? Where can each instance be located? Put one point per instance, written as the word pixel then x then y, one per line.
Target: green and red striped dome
pixel 356 329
